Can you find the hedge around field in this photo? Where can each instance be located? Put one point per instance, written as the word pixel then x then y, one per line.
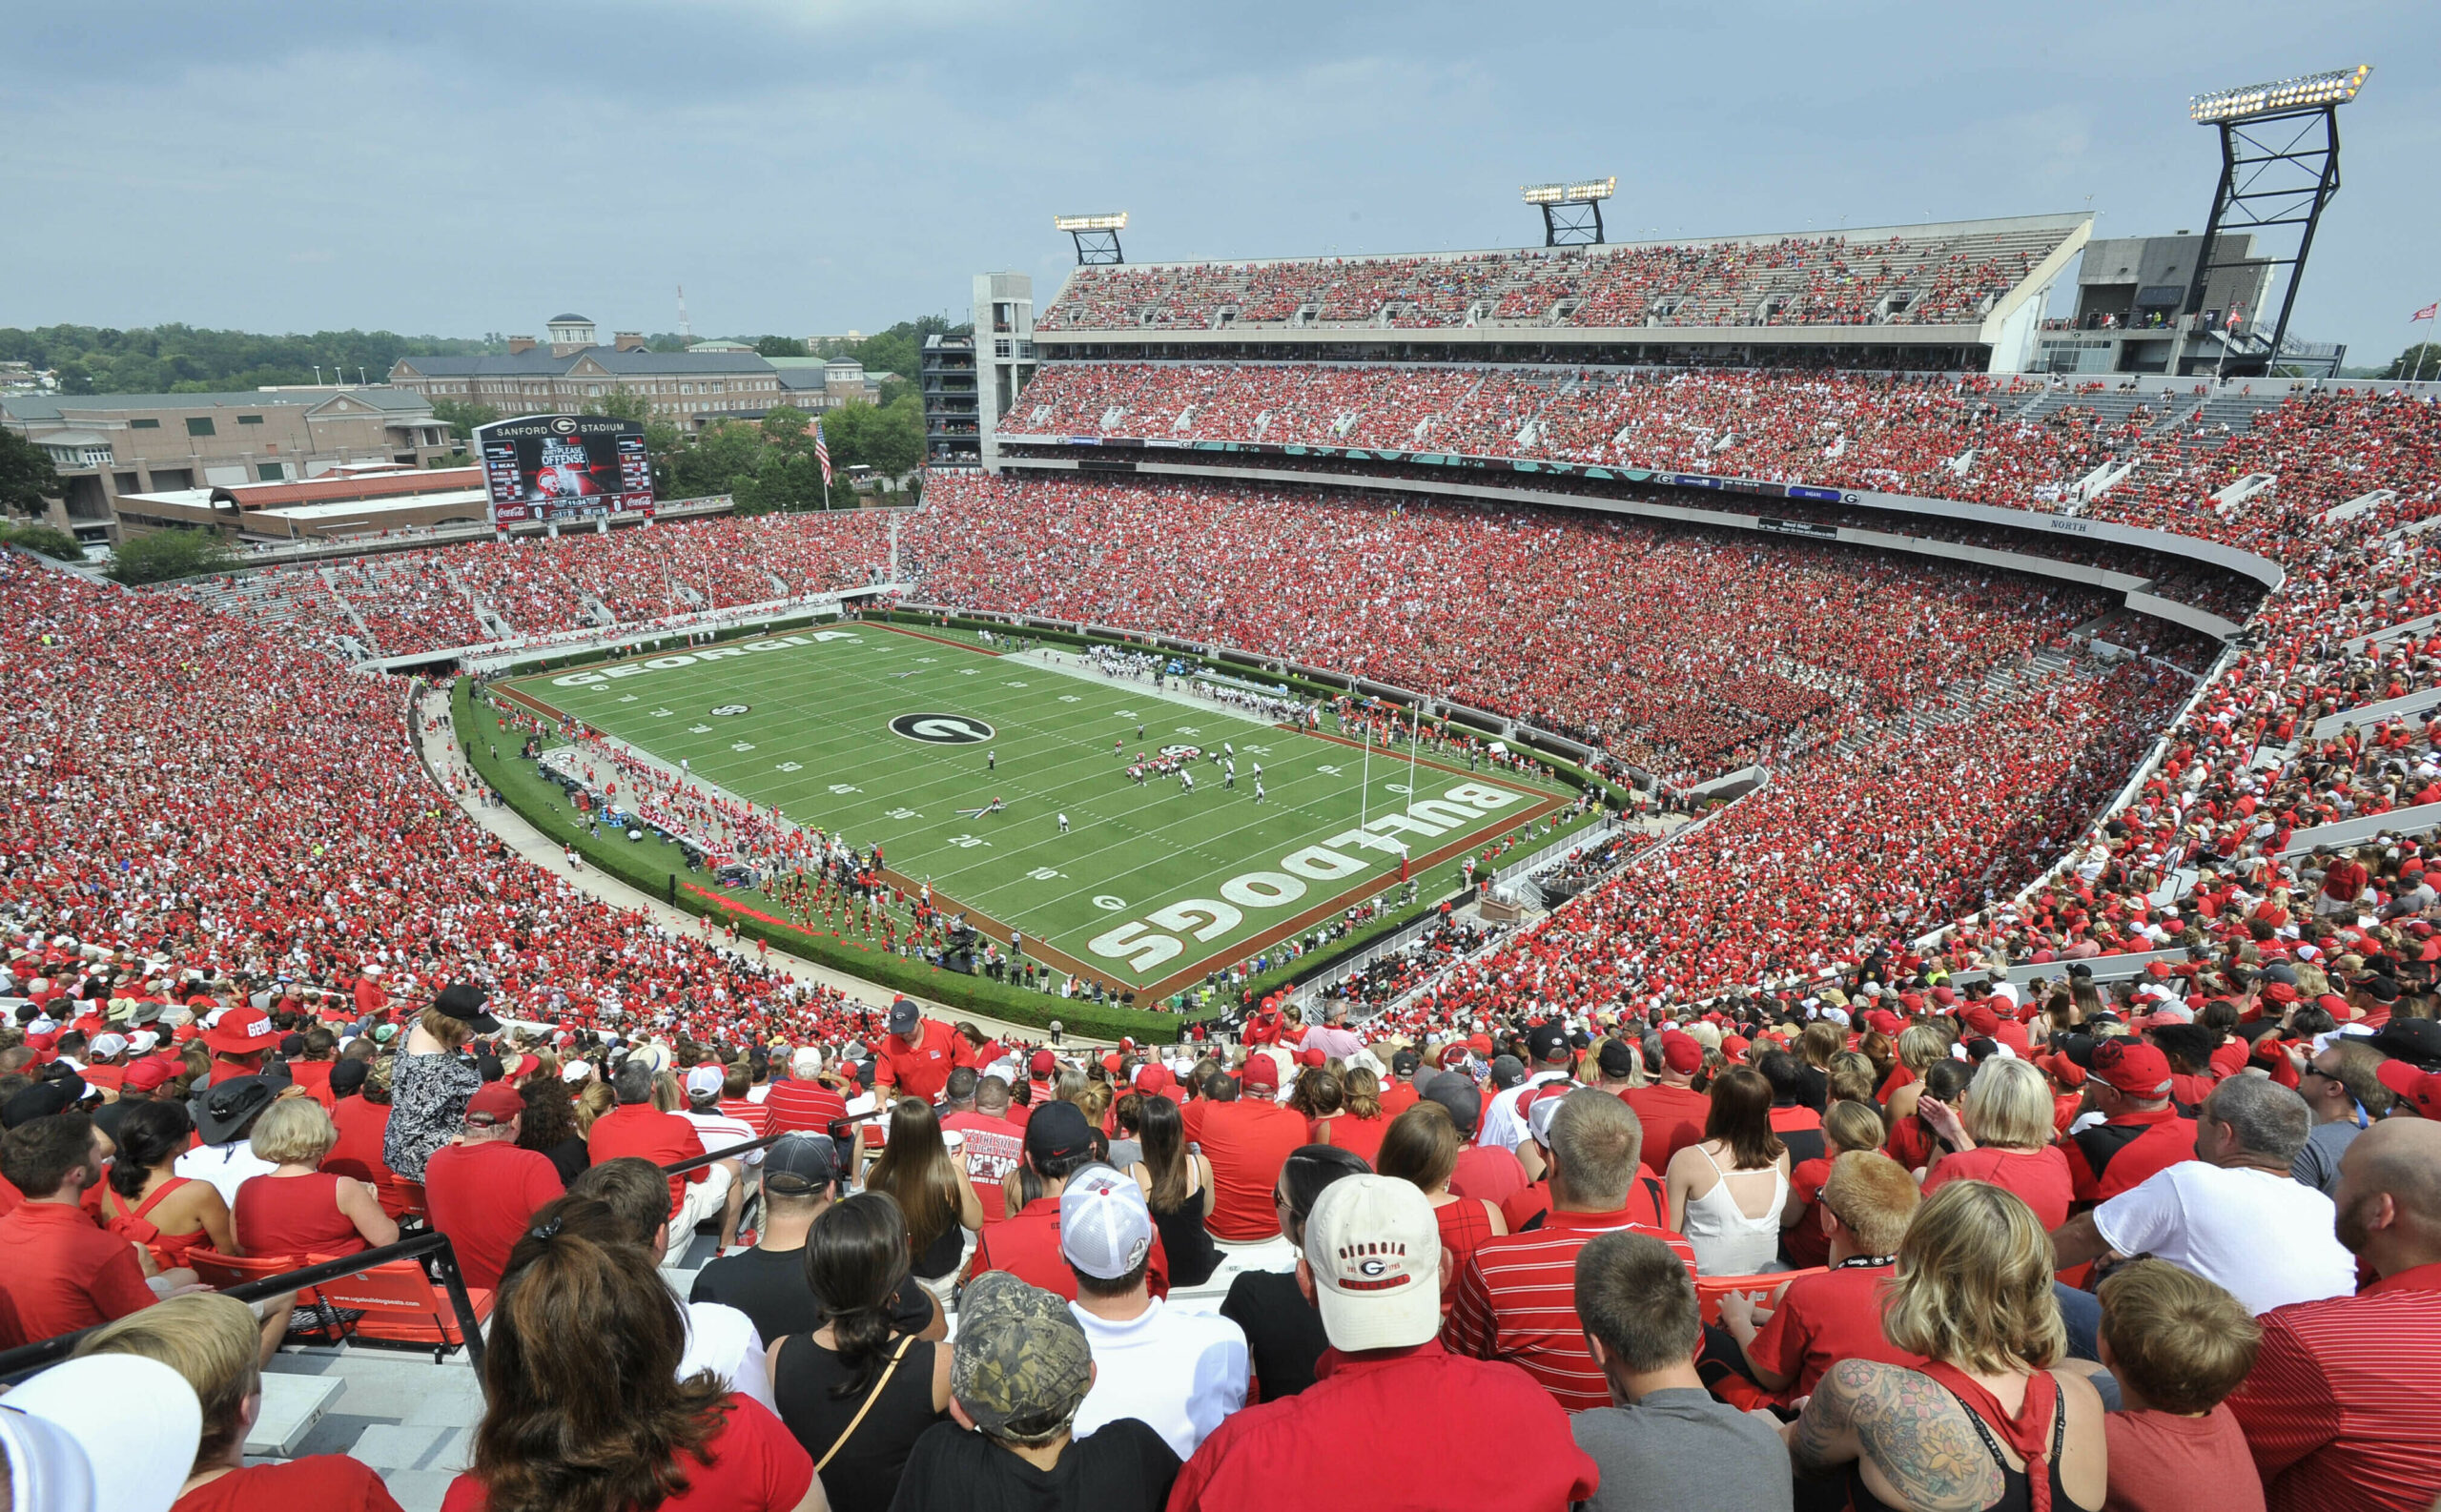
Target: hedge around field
pixel 651 864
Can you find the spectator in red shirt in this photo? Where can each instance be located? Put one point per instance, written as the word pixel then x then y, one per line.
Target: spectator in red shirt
pixel 920 1054
pixel 994 1145
pixel 63 1272
pixel 803 1099
pixel 240 1038
pixel 2141 1133
pixel 1370 1264
pixel 1026 1243
pixel 1247 1137
pixel 2342 1406
pixel 483 1189
pixel 1817 1320
pixel 636 1128
pixel 1483 1173
pixel 210 1341
pixel 2002 1133
pixel 1516 1300
pixel 2177 1345
pixel 1973 1297
pixel 297 1210
pixel 1672 1112
pixel 1399 1093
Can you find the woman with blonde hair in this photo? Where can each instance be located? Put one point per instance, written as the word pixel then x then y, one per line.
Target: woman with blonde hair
pixel 210 1339
pixel 1846 1126
pixel 932 1190
pixel 1358 1124
pixel 1919 1044
pixel 1986 1421
pixel 2000 1133
pixel 297 1210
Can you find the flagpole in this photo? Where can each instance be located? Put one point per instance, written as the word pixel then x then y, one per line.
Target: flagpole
pixel 1415 738
pixel 2422 347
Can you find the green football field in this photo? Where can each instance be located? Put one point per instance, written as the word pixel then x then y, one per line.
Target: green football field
pixel 882 735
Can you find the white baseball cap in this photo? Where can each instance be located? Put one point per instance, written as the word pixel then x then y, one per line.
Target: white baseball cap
pixel 807 1061
pixel 704 1079
pixel 576 1070
pixel 65 1436
pixel 1375 1254
pixel 1105 1229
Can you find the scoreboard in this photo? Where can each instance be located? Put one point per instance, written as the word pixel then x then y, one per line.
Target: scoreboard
pixel 546 468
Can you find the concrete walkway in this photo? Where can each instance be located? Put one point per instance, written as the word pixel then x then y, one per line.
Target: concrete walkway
pixel 442 754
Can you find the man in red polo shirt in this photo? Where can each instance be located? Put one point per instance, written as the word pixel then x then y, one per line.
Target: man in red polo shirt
pixel 637 1128
pixel 60 1269
pixel 2141 1133
pixel 1247 1137
pixel 1516 1298
pixel 2343 1407
pixel 1818 1320
pixel 1026 1243
pixel 1371 1266
pixel 482 1190
pixel 1671 1111
pixel 801 1100
pixel 920 1054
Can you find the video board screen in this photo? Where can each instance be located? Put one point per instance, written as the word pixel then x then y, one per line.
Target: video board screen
pixel 542 468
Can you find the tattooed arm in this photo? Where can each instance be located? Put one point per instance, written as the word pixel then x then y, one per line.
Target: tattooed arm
pixel 1915 1447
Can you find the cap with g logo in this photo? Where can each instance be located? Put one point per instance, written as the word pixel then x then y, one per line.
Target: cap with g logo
pixel 1375 1254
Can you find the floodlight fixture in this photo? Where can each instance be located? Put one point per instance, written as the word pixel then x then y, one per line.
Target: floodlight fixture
pixel 2279 170
pixel 1096 236
pixel 2306 92
pixel 1572 209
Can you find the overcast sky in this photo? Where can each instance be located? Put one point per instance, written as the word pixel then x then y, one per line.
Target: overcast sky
pixel 811 166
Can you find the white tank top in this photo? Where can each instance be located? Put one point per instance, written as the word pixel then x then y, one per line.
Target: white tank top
pixel 1726 1241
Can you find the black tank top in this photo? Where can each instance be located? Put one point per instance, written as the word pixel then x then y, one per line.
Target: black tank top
pixel 863 1476
pixel 2014 1494
pixel 1185 1242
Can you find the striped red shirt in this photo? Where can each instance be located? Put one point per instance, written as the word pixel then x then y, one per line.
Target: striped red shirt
pixel 2343 1407
pixel 749 1113
pixel 1517 1301
pixel 802 1105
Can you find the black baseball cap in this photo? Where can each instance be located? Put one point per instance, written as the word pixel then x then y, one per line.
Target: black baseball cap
pixel 801 1163
pixel 1547 1042
pixel 349 1076
pixel 1616 1057
pixel 465 1001
pixel 1056 1131
pixel 903 1016
pixel 40 1100
pixel 1406 1063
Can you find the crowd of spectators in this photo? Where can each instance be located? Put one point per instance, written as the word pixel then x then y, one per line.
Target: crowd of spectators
pixel 430 598
pixel 2018 441
pixel 1685 652
pixel 1793 280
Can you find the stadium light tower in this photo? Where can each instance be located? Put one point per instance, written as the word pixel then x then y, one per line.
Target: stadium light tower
pixel 1096 236
pixel 1571 211
pixel 2271 176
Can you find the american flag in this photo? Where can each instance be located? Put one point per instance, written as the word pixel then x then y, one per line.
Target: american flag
pixel 821 453
pixel 2425 313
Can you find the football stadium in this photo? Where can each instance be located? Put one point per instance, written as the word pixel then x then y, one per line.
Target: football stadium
pixel 1766 821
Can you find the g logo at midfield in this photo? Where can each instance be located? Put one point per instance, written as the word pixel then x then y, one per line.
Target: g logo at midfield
pixel 942 729
pixel 730 708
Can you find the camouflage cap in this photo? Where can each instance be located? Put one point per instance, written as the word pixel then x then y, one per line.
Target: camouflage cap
pixel 1021 1365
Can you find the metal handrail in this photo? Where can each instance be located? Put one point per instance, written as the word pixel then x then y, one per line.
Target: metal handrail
pixel 25 1360
pixel 838 1128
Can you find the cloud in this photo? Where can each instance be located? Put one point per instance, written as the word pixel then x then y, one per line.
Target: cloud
pixel 821 164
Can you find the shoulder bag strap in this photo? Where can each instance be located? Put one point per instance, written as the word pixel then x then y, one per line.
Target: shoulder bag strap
pixel 871 1397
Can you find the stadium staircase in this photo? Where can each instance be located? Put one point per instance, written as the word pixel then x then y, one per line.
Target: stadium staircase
pixel 365 633
pixel 1966 699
